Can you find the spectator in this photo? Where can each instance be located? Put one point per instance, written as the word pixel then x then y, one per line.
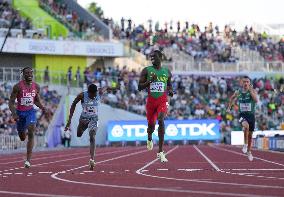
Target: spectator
pixel 46 75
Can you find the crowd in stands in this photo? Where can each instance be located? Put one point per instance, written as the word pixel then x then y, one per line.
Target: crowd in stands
pixel 212 43
pixel 269 49
pixel 50 99
pixel 196 97
pixel 67 16
pixel 7 13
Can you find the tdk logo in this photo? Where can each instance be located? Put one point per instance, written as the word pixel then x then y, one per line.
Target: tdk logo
pixel 172 131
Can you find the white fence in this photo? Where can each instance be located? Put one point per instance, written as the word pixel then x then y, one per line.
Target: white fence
pixel 216 67
pixel 12 142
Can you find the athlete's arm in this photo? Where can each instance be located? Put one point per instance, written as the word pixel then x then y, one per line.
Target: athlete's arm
pixel 37 101
pixel 72 109
pixel 232 100
pixel 143 82
pixel 253 94
pixel 12 99
pixel 169 85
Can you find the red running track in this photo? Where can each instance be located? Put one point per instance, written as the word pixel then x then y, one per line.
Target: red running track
pixel 213 170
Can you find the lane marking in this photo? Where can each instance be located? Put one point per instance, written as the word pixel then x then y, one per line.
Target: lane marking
pixel 139 171
pixel 190 170
pixel 40 164
pixel 237 153
pixel 207 159
pixel 35 194
pixel 154 188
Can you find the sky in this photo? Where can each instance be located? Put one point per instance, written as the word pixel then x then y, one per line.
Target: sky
pixel 195 11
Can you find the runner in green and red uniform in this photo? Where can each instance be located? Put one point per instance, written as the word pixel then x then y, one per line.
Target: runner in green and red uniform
pixel 247 99
pixel 157 80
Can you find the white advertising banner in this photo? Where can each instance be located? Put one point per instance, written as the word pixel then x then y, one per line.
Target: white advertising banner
pixel 237 137
pixel 58 47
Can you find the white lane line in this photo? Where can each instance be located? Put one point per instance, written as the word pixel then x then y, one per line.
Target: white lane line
pixel 153 188
pixel 127 170
pixel 207 159
pixel 102 171
pixel 189 170
pixel 7 173
pixel 69 159
pixel 243 174
pixel 127 155
pixel 47 156
pixel 18 173
pixel 111 172
pixel 254 169
pixel 35 194
pixel 45 172
pixel 162 169
pixel 87 171
pixel 139 171
pixel 35 159
pixel 237 153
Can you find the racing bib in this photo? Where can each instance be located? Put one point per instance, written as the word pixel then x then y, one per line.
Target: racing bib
pixel 245 107
pixel 27 101
pixel 90 110
pixel 157 87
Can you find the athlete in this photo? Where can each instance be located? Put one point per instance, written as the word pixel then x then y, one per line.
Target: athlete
pixel 247 99
pixel 90 100
pixel 157 80
pixel 26 92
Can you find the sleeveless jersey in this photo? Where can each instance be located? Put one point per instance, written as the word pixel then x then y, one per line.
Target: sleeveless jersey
pixel 26 96
pixel 158 88
pixel 246 103
pixel 90 106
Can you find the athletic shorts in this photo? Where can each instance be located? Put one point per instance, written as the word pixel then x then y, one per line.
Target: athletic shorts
pixel 249 118
pixel 26 118
pixel 89 122
pixel 154 107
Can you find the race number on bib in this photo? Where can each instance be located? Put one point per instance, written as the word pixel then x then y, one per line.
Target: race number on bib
pixel 245 107
pixel 157 87
pixel 91 110
pixel 27 101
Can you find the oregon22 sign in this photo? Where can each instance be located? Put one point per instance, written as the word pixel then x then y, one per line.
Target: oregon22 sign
pixel 174 130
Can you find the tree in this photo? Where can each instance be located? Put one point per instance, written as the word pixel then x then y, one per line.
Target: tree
pixel 95 9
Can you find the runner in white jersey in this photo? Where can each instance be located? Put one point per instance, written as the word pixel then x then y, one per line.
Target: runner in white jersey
pixel 90 100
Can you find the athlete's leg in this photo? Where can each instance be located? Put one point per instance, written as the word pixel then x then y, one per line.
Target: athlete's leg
pixel 30 143
pixel 245 127
pixel 249 141
pixel 161 130
pixel 92 134
pixel 31 125
pixel 82 126
pixel 251 123
pixel 150 130
pixel 22 135
pixel 21 127
pixel 151 115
